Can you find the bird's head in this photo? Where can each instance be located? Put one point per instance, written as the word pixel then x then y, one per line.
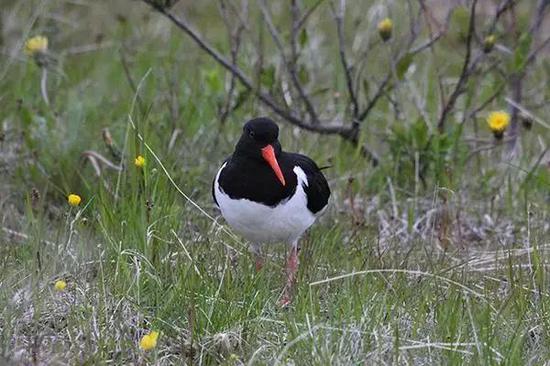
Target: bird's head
pixel 260 141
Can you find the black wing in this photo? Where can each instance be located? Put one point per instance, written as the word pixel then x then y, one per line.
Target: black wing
pixel 317 190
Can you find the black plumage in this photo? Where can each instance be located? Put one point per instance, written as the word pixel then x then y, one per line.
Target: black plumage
pixel 247 175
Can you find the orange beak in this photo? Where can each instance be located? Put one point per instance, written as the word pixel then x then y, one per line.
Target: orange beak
pixel 269 155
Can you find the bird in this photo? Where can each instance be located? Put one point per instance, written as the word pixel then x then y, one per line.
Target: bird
pixel 270 196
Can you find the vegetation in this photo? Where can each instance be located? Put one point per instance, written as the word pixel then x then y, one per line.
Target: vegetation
pixel 114 121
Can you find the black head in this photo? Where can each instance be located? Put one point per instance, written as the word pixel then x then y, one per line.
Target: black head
pixel 261 130
pixel 257 134
pixel 260 141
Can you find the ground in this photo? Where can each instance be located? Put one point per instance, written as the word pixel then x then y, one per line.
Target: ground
pixel 430 257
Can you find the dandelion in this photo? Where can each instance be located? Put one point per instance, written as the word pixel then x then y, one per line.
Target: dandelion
pixel 36 48
pixel 149 341
pixel 385 29
pixel 35 45
pixel 60 285
pixel 498 121
pixel 74 199
pixel 489 43
pixel 139 161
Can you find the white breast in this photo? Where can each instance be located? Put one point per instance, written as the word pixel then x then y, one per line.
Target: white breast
pixel 259 223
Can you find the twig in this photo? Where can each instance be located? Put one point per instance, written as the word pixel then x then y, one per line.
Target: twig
pixel 501 9
pixel 338 18
pixel 379 93
pixel 90 154
pixel 266 98
pixel 130 79
pixel 235 41
pixel 23 236
pixel 442 28
pixel 486 102
pixel 516 79
pixel 307 14
pixel 292 66
pixel 464 74
pixel 524 110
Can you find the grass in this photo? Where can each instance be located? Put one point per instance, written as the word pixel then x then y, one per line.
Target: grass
pixel 450 268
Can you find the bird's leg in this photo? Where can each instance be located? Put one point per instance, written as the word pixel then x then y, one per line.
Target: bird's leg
pixel 291 271
pixel 258 257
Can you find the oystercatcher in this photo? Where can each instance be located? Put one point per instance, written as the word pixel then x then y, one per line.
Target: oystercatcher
pixel 267 195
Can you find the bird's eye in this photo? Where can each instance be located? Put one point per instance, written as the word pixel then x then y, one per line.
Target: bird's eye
pixel 251 133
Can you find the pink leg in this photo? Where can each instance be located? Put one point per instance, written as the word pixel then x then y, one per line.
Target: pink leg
pixel 259 261
pixel 258 257
pixel 291 270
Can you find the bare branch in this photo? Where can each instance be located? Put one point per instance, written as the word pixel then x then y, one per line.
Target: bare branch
pixel 464 74
pixel 234 69
pixel 379 93
pixel 234 36
pixel 290 64
pixel 307 14
pixel 516 79
pixel 501 9
pixel 338 18
pixel 485 103
pixel 441 32
pixel 348 132
pixel 294 61
pixel 533 55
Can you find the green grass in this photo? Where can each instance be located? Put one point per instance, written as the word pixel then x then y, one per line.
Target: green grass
pixel 447 268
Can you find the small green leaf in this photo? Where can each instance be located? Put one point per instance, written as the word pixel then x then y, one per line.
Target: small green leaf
pixel 403 65
pixel 267 77
pixel 303 75
pixel 366 87
pixel 303 38
pixel 522 51
pixel 213 80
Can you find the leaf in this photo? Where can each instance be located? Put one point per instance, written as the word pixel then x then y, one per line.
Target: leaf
pixel 267 77
pixel 403 65
pixel 303 38
pixel 419 134
pixel 213 80
pixel 522 51
pixel 366 87
pixel 303 75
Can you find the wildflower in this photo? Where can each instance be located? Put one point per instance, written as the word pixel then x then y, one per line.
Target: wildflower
pixel 35 45
pixel 385 28
pixel 74 199
pixel 60 285
pixel 498 122
pixel 149 341
pixel 489 43
pixel 139 161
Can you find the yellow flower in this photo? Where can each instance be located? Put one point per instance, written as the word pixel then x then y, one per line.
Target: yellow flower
pixel 385 28
pixel 498 121
pixel 139 161
pixel 74 199
pixel 489 43
pixel 36 44
pixel 60 285
pixel 149 341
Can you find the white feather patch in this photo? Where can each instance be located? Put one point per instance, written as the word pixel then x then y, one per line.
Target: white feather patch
pixel 259 223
